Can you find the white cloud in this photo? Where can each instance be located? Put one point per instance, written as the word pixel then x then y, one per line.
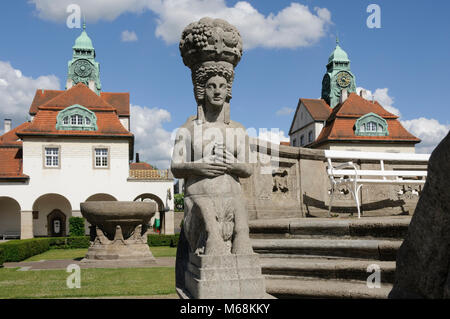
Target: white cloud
pixel 152 141
pixel 285 111
pixel 382 96
pixel 17 92
pixel 129 36
pixel 93 10
pixel 273 135
pixel 293 26
pixel 430 131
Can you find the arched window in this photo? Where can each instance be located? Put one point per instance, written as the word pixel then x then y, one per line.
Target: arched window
pixel 371 127
pixel 76 117
pixel 371 124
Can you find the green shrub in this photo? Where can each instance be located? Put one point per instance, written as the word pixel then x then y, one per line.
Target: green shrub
pixel 76 226
pixel 18 250
pixel 69 242
pixel 163 240
pixel 178 201
pixel 2 258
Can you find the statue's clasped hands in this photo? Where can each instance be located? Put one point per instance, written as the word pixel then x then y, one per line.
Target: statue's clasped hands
pixel 218 163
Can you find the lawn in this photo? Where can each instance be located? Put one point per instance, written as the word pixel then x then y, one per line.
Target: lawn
pixel 155 281
pixel 52 254
pixel 94 283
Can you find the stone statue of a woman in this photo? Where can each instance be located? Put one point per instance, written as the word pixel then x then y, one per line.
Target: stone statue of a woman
pixel 211 152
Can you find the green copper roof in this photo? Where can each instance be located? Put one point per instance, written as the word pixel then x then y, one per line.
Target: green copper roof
pixel 338 54
pixel 83 41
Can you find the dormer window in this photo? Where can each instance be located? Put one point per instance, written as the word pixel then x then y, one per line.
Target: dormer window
pixel 76 117
pixel 371 124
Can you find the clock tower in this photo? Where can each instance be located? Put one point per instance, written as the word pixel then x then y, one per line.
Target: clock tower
pixel 338 77
pixel 83 67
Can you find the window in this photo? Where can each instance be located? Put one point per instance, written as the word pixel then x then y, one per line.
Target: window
pixel 294 142
pixel 51 157
pixel 101 157
pixel 371 124
pixel 76 118
pixel 371 127
pixel 310 137
pixel 302 140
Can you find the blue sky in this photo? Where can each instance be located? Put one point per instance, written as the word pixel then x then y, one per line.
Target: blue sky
pixel 408 56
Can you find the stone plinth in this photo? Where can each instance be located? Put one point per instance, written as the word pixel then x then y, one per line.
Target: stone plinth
pixel 223 277
pixel 118 233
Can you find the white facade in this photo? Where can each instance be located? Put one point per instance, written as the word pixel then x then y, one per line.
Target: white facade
pixel 75 180
pixel 305 129
pixel 370 147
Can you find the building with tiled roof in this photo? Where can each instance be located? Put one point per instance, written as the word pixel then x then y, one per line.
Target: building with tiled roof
pixel 77 147
pixel 344 120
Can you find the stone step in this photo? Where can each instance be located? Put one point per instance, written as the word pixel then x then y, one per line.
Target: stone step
pixel 349 248
pixel 288 288
pixel 376 227
pixel 327 268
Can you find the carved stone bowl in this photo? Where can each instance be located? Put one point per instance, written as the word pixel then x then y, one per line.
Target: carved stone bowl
pixel 107 215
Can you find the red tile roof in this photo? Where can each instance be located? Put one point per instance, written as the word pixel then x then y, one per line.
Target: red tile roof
pixel 78 94
pixel 141 166
pixel 340 125
pixel 44 123
pixel 10 138
pixel 11 162
pixel 318 108
pixel 121 101
pixel 41 97
pixel 81 94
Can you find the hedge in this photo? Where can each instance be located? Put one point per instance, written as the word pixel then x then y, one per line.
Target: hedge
pixel 18 250
pixel 76 226
pixel 69 242
pixel 163 240
pixel 2 258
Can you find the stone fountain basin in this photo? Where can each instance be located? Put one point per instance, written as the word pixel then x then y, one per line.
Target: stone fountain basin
pixel 108 214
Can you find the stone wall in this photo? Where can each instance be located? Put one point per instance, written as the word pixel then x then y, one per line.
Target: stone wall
pixel 300 187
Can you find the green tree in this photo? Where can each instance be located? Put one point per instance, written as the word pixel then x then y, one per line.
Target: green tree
pixel 179 202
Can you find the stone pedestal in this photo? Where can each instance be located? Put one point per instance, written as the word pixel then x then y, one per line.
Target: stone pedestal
pixel 223 277
pixel 133 251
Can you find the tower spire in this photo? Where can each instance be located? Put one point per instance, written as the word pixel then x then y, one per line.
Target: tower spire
pixel 83 67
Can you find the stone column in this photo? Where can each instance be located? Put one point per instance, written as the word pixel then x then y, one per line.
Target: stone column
pixel 168 223
pixel 26 225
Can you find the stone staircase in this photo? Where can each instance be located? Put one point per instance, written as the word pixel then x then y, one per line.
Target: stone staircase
pixel 327 258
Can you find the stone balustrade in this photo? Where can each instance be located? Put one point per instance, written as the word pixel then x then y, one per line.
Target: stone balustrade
pixel 150 174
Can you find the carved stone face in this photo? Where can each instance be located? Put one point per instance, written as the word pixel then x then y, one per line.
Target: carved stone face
pixel 216 91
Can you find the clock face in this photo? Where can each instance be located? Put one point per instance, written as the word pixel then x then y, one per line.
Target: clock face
pixel 344 79
pixel 83 68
